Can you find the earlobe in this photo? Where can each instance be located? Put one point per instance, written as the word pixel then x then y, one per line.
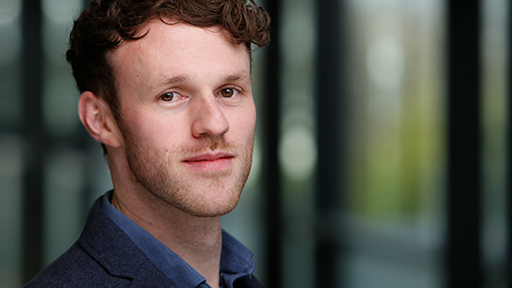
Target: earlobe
pixel 98 119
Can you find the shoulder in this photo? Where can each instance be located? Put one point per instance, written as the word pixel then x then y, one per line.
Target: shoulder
pixel 84 264
pixel 103 256
pixel 75 268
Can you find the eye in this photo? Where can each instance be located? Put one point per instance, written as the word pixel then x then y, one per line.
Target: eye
pixel 169 96
pixel 228 92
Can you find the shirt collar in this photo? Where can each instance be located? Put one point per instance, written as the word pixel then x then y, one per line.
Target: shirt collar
pixel 236 259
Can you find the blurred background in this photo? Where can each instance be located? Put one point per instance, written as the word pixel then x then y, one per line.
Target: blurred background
pixel 382 149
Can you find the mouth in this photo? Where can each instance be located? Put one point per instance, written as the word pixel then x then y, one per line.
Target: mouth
pixel 208 157
pixel 210 162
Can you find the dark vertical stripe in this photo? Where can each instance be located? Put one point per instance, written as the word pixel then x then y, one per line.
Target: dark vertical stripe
pixel 34 136
pixel 464 159
pixel 329 101
pixel 271 176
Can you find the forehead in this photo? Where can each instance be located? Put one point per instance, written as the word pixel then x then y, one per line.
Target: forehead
pixel 168 49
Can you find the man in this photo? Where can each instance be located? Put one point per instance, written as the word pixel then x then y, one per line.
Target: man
pixel 166 89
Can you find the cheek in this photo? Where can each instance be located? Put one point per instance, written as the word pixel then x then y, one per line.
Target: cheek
pixel 146 130
pixel 244 123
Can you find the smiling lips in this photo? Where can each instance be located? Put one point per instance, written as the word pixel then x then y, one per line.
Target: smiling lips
pixel 210 162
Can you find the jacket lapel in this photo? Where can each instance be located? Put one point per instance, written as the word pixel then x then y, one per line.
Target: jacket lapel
pixel 150 276
pixel 248 281
pixel 104 241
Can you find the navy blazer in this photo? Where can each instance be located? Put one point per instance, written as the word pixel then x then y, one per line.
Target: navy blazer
pixel 104 256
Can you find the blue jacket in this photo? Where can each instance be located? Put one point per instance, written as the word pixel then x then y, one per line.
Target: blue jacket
pixel 104 256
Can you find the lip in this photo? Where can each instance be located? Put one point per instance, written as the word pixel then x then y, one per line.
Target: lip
pixel 210 162
pixel 208 157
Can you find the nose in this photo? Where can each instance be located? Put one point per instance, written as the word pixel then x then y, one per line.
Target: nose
pixel 209 119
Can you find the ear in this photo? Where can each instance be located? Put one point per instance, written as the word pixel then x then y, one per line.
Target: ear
pixel 99 120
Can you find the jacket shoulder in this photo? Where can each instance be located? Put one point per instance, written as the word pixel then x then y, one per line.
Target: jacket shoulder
pixel 103 256
pixel 75 268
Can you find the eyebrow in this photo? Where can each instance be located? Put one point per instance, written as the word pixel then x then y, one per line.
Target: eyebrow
pixel 172 80
pixel 182 78
pixel 237 76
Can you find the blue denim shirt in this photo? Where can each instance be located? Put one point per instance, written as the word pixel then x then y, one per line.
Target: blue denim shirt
pixel 236 260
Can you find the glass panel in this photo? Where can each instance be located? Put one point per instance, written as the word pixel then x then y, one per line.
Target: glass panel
pixel 65 167
pixel 395 171
pixel 59 92
pixel 11 167
pixel 10 73
pixel 297 145
pixel 11 145
pixel 494 109
pixel 64 180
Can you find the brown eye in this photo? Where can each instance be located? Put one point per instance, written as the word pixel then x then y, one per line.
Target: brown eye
pixel 167 96
pixel 227 93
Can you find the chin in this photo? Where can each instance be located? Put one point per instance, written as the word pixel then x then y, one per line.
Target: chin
pixel 211 208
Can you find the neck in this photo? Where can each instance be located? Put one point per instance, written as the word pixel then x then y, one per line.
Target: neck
pixel 197 240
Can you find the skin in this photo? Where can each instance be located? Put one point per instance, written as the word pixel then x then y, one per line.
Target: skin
pixel 182 150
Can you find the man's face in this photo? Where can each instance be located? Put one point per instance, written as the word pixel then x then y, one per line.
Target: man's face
pixel 187 116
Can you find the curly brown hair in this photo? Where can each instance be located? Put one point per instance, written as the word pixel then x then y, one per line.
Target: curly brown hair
pixel 105 24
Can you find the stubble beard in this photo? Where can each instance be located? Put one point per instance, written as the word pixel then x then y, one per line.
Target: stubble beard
pixel 207 194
